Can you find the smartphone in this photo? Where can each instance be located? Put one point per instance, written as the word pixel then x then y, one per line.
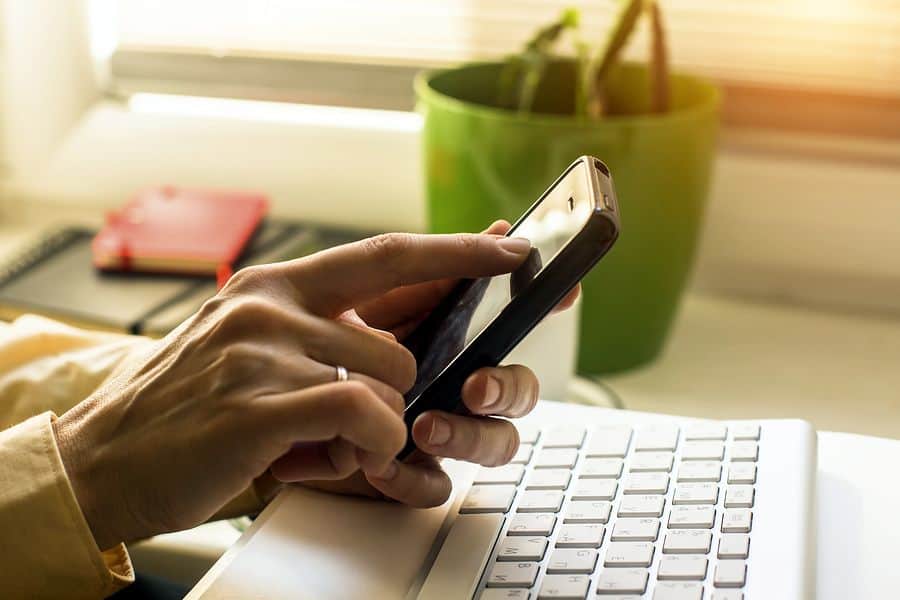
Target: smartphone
pixel 571 227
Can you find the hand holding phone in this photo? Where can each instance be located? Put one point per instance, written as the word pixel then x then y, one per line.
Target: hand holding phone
pixel 570 227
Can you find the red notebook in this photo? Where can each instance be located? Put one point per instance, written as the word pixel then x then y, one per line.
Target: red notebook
pixel 175 230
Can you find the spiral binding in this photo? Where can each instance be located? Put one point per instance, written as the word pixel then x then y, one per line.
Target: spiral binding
pixel 48 244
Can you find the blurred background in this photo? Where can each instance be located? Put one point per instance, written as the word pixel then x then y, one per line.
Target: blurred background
pixel 791 282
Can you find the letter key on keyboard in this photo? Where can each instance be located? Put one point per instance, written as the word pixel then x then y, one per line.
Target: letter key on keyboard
pixel 522 548
pixel 488 498
pixel 622 581
pixel 567 587
pixel 673 590
pixel 572 560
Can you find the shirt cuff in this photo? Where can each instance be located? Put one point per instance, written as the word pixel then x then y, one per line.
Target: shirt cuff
pixel 47 545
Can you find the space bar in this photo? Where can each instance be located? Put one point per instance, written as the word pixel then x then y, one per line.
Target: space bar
pixel 462 558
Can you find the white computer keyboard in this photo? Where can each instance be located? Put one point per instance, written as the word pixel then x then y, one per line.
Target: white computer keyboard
pixel 707 511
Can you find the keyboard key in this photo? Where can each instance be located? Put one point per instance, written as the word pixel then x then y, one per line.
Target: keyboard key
pixel 629 554
pixel 595 489
pixel 588 512
pixel 502 594
pixel 739 496
pixel 734 545
pixel 737 520
pixel 745 431
pixel 744 451
pixel 730 573
pixel 687 541
pixel 706 431
pixel 661 437
pixel 742 473
pixel 532 524
pixel 692 517
pixel 522 548
pixel 568 587
pixel 506 474
pixel 609 442
pixel 514 574
pixel 622 581
pixel 564 437
pixel 702 451
pixel 646 483
pixel 528 435
pixel 572 560
pixel 602 468
pixel 523 455
pixel 673 590
pixel 727 595
pixel 643 462
pixel 556 458
pixel 488 499
pixel 629 529
pixel 540 501
pixel 696 493
pixel 699 471
pixel 682 568
pixel 548 479
pixel 580 536
pixel 642 506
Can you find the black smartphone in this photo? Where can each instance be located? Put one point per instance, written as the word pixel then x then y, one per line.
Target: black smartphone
pixel 571 226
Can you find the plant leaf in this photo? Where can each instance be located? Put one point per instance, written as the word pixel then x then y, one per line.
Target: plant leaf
pixel 521 75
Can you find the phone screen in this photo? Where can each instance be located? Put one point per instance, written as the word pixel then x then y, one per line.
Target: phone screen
pixel 473 305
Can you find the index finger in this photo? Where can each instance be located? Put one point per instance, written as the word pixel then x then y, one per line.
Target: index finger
pixel 337 279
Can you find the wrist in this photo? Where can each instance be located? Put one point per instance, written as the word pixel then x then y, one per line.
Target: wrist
pixel 76 462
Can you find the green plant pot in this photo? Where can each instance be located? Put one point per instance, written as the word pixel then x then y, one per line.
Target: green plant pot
pixel 483 163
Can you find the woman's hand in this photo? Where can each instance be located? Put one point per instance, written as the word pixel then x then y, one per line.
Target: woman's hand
pixel 509 391
pixel 248 384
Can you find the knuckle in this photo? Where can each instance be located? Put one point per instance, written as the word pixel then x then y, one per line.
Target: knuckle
pixel 211 307
pixel 246 313
pixel 468 243
pixel 240 360
pixel 247 277
pixel 388 246
pixel 397 402
pixel 398 438
pixel 404 367
pixel 354 397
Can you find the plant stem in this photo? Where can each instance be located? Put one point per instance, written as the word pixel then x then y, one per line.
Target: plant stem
pixel 660 86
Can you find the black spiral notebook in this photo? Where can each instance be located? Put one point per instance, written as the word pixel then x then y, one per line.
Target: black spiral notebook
pixel 55 278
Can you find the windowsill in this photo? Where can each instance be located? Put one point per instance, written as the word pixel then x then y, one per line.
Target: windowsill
pixel 732 359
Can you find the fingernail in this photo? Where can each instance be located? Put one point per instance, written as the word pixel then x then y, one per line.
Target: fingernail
pixel 389 472
pixel 440 432
pixel 491 392
pixel 514 245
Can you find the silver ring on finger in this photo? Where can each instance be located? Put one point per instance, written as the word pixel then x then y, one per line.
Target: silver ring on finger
pixel 341 373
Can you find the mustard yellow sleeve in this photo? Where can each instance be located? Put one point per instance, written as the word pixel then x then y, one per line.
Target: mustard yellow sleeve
pixel 47 547
pixel 49 366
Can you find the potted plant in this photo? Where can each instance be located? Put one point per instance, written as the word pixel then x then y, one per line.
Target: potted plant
pixel 497 133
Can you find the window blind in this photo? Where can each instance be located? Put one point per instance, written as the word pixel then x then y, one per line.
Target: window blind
pixel 848 46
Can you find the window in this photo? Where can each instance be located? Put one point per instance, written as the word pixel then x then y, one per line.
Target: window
pixel 774 57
